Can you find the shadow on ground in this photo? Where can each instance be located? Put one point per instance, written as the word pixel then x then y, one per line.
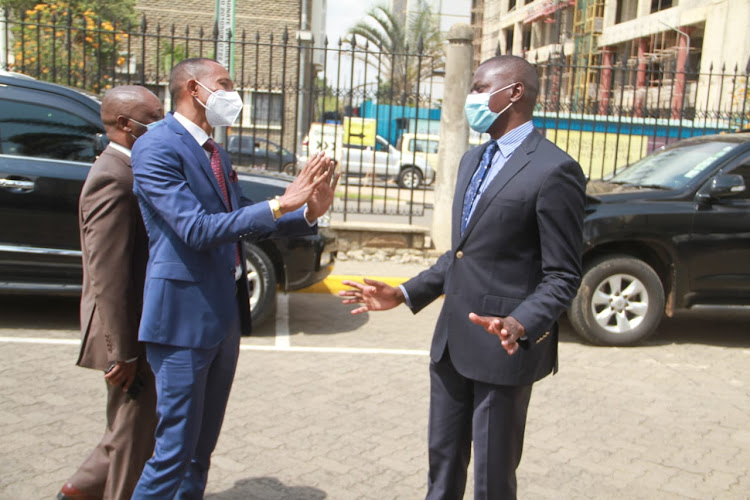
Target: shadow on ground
pixel 315 314
pixel 267 488
pixel 42 312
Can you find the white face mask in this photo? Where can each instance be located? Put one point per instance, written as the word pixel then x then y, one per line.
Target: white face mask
pixel 222 107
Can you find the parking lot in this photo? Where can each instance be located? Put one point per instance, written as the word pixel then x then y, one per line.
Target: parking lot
pixel 329 405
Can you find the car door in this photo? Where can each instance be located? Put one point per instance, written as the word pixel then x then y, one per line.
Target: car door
pixel 240 150
pixel 387 158
pixel 46 149
pixel 719 259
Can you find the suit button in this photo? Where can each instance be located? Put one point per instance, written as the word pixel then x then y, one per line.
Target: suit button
pixel 460 254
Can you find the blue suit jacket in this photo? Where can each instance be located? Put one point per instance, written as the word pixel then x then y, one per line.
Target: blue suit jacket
pixel 520 256
pixel 190 293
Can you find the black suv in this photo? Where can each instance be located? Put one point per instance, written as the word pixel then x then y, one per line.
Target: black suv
pixel 671 231
pixel 49 137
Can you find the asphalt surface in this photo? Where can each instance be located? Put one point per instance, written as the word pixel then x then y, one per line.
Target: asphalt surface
pixel 329 405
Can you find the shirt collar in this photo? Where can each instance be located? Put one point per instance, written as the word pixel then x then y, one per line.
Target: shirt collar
pixel 193 129
pixel 510 141
pixel 118 147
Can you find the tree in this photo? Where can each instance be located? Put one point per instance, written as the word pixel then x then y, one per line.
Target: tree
pixel 120 11
pixel 78 42
pixel 409 51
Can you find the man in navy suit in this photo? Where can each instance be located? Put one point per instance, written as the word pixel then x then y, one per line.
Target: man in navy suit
pixel 515 260
pixel 196 294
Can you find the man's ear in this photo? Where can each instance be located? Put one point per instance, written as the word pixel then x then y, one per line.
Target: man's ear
pixel 517 92
pixel 192 87
pixel 123 123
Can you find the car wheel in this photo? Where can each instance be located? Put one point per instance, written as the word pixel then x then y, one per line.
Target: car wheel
pixel 620 302
pixel 410 178
pixel 261 278
pixel 289 169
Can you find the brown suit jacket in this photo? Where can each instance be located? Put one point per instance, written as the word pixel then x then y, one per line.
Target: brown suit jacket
pixel 115 251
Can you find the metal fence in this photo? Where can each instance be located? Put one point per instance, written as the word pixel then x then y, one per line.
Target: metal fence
pixel 378 113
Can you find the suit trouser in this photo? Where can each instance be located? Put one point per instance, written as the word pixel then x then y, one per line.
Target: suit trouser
pixel 494 416
pixel 192 388
pixel 112 469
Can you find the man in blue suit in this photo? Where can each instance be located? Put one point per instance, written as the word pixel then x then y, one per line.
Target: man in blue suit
pixel 196 293
pixel 516 259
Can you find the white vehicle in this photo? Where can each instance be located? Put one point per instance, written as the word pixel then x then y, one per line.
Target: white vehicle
pixel 381 161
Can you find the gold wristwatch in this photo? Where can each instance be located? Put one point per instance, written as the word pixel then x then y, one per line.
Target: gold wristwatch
pixel 275 207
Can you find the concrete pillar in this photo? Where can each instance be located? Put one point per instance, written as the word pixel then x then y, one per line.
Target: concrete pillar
pixel 454 130
pixel 679 76
pixel 640 78
pixel 606 80
pixel 518 39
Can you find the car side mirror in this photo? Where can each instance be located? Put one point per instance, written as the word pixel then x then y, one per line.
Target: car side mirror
pixel 726 185
pixel 100 144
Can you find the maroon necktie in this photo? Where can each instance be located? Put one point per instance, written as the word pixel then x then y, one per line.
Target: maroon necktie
pixel 211 147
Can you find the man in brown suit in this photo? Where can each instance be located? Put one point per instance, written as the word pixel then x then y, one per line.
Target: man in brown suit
pixel 115 251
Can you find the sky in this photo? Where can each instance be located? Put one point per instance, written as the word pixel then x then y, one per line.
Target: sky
pixel 343 14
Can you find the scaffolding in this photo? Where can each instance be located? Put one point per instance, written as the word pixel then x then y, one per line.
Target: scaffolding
pixel 587 27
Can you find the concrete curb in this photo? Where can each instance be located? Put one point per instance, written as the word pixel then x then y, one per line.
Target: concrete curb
pixel 333 283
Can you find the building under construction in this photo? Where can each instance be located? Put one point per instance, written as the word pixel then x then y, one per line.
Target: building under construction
pixel 587 49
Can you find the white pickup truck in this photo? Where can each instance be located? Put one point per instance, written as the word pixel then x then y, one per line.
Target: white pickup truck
pixel 382 161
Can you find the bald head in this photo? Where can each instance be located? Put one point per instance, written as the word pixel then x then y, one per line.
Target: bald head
pixel 125 112
pixel 514 69
pixel 195 68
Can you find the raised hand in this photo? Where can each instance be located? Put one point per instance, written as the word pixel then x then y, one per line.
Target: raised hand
pixel 373 295
pixel 322 197
pixel 310 177
pixel 507 329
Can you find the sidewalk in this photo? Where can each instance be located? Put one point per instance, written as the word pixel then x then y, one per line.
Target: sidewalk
pixel 390 272
pixel 340 411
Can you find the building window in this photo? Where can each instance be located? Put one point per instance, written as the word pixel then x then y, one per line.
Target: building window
pixel 508 40
pixel 627 10
pixel 657 5
pixel 511 5
pixel 527 39
pixel 266 109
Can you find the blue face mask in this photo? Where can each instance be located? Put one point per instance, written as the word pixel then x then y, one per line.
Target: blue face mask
pixel 478 112
pixel 147 126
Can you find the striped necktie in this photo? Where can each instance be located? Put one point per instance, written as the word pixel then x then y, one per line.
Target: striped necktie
pixel 476 183
pixel 211 146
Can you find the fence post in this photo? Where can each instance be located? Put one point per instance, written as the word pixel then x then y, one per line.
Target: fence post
pixel 454 130
pixel 4 39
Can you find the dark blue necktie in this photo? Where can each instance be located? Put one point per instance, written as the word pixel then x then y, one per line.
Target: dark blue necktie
pixel 476 183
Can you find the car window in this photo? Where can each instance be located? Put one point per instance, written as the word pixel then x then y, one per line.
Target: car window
pixel 381 145
pixel 674 166
pixel 246 144
pixel 272 148
pixel 28 129
pixel 423 146
pixel 744 171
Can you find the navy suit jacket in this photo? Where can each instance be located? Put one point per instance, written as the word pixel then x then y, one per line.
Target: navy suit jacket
pixel 190 294
pixel 520 256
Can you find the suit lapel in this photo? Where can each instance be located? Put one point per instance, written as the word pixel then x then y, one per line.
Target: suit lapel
pixel 199 153
pixel 517 161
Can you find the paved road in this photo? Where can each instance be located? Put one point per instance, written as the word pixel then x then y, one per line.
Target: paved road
pixel 326 405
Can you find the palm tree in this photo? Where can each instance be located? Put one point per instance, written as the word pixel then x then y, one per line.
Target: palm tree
pixel 406 51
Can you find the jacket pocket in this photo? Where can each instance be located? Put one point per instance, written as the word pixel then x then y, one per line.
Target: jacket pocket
pixel 495 305
pixel 173 271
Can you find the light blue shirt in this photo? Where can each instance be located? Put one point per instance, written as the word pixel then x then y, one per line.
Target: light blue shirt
pixel 507 144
